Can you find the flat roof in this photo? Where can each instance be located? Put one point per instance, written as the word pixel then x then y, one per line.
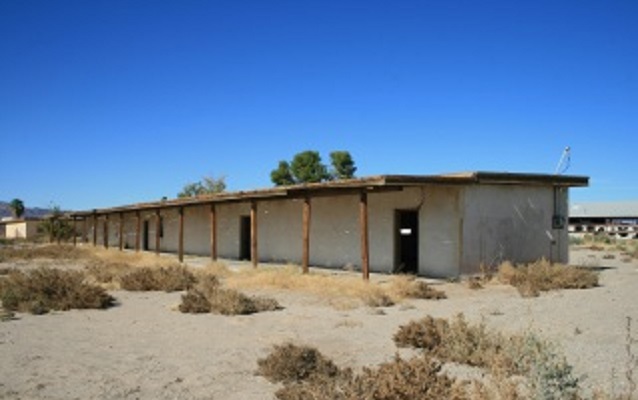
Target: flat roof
pixel 348 186
pixel 609 209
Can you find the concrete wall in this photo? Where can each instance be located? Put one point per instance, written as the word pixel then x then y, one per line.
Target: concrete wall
pixel 441 233
pixel 460 228
pixel 512 223
pixel 21 229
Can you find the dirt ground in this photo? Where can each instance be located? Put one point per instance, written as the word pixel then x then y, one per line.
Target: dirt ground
pixel 145 349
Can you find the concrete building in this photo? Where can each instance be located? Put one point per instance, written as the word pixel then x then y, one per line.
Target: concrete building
pixel 19 228
pixel 433 225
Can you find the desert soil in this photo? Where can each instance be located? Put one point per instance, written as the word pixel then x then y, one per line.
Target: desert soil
pixel 145 349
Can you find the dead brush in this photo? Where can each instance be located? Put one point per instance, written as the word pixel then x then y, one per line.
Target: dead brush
pixel 307 374
pixel 40 290
pixel 208 296
pixel 292 363
pixel 169 279
pixel 33 251
pixel 343 289
pixel 407 286
pixel 455 341
pixel 546 373
pixel 533 278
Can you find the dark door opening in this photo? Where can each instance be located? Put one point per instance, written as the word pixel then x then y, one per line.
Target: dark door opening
pixel 244 238
pixel 145 237
pixel 407 242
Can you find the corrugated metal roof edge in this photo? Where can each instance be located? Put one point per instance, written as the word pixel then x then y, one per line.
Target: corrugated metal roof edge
pixel 371 182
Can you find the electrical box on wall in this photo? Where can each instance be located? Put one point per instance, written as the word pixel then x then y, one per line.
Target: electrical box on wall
pixel 558 222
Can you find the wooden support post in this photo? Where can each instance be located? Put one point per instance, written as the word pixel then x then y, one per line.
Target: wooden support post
pixel 138 230
pixel 106 232
pixel 213 233
pixel 180 245
pixel 75 236
pixel 158 230
pixel 254 254
pixel 94 230
pixel 305 256
pixel 121 227
pixel 363 222
pixel 85 237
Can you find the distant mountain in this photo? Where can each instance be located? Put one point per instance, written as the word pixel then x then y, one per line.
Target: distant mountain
pixel 30 212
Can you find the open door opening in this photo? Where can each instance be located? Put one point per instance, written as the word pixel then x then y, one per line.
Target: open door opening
pixel 145 236
pixel 244 238
pixel 406 242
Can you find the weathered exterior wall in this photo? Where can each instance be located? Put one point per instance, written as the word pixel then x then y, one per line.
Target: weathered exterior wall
pixel 460 228
pixel 21 229
pixel 441 220
pixel 512 223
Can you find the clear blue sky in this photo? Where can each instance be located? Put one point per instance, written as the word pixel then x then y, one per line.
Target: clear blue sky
pixel 105 103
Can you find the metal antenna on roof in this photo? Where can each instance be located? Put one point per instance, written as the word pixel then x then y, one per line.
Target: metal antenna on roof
pixel 564 162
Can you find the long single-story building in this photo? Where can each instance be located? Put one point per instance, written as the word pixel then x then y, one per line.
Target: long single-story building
pixel 618 219
pixel 430 225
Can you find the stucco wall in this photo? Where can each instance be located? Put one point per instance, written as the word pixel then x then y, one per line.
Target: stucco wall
pixel 460 228
pixel 21 230
pixel 440 228
pixel 512 223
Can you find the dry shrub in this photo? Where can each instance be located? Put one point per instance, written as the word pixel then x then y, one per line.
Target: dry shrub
pixel 107 273
pixel 130 258
pixel 32 252
pixel 168 279
pixel 340 289
pixel 215 268
pixel 376 298
pixel 426 333
pixel 209 296
pixel 194 302
pixel 407 286
pixel 455 341
pixel 475 283
pixel 533 278
pixel 292 363
pixel 418 378
pixel 43 289
pixel 307 374
pixel 547 374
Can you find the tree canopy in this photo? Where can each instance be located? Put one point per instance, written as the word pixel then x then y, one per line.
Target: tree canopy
pixel 342 164
pixel 207 185
pixel 17 207
pixel 306 167
pixel 281 176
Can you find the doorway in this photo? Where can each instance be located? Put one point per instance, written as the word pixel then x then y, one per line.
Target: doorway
pixel 244 237
pixel 145 236
pixel 406 242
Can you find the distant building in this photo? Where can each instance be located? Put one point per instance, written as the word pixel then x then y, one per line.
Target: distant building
pixel 11 228
pixel 614 219
pixel 431 225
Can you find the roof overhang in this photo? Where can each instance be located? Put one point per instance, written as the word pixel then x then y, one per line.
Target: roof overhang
pixel 381 183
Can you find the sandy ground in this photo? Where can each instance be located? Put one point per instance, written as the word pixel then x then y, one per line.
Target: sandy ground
pixel 144 349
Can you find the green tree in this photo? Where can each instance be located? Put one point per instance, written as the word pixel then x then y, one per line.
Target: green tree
pixel 342 165
pixel 17 208
pixel 207 185
pixel 56 226
pixel 282 175
pixel 306 167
